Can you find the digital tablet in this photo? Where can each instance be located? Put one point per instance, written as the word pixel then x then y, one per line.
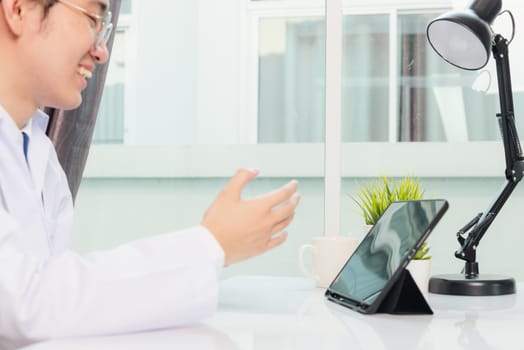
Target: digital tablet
pixel 383 254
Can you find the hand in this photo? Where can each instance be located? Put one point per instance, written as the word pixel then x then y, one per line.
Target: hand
pixel 249 227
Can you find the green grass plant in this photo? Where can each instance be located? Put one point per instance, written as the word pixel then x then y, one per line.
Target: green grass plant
pixel 373 199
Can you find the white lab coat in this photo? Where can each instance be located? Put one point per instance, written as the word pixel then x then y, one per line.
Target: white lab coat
pixel 48 291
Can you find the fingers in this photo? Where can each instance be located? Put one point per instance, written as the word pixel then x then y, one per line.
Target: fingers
pixel 282 225
pixel 239 181
pixel 286 209
pixel 276 241
pixel 282 194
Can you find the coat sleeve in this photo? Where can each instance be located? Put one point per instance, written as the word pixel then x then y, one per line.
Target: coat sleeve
pixel 158 282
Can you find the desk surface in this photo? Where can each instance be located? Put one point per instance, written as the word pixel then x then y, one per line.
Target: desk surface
pixel 290 313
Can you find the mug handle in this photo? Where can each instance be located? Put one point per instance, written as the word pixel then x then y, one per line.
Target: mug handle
pixel 301 253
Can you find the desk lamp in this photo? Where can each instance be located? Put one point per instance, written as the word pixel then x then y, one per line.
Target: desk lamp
pixel 464 39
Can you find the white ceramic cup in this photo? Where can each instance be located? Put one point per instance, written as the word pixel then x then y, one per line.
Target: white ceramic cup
pixel 329 254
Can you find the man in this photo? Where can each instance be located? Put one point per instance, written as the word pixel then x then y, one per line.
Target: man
pixel 49 49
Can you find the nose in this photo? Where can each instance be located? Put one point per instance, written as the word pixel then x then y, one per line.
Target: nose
pixel 100 53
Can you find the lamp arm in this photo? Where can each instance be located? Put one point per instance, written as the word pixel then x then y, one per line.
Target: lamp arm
pixel 506 117
pixel 513 155
pixel 470 240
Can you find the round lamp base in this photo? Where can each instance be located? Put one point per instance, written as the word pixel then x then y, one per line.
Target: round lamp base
pixel 475 285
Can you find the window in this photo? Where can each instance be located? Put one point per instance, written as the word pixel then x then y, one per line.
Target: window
pixel 395 88
pixel 365 84
pixel 436 101
pixel 110 126
pixel 291 80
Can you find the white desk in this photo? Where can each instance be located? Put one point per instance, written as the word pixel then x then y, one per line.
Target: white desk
pixel 259 313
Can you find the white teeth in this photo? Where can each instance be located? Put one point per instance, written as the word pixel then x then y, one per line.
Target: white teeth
pixel 84 72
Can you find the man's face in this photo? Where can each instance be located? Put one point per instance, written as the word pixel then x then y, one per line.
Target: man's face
pixel 58 52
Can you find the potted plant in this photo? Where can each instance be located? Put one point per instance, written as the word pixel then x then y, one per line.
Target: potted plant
pixel 419 267
pixel 374 198
pixel 422 253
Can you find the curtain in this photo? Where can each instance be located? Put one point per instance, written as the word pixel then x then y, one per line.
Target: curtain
pixel 71 131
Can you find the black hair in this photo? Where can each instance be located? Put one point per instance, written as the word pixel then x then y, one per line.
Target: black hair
pixel 47 4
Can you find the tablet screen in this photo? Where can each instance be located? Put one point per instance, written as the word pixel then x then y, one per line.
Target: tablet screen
pixel 396 235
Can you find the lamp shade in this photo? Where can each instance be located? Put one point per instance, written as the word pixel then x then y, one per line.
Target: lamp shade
pixel 463 38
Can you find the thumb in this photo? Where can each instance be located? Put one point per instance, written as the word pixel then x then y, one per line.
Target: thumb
pixel 239 181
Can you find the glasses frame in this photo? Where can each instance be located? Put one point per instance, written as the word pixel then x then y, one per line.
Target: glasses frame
pixel 104 26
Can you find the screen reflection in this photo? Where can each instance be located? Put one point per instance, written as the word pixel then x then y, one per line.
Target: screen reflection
pixel 384 249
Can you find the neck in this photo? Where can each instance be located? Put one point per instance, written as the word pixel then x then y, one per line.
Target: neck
pixel 20 113
pixel 13 95
pixel 15 90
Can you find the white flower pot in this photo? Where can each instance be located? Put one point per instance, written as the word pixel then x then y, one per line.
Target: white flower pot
pixel 420 271
pixel 366 228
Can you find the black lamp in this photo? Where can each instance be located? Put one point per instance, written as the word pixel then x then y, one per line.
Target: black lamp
pixel 464 39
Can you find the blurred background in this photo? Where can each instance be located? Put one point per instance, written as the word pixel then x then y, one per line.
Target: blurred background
pixel 198 89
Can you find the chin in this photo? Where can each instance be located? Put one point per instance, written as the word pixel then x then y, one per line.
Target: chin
pixel 73 103
pixel 67 104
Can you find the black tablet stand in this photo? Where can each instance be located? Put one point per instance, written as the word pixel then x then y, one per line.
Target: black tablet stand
pixel 404 298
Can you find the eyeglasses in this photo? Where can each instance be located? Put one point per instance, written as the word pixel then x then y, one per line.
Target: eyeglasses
pixel 101 24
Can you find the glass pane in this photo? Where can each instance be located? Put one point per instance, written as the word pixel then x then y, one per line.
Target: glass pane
pixel 125 7
pixel 365 85
pixel 291 100
pixel 109 126
pixel 437 101
pixel 198 84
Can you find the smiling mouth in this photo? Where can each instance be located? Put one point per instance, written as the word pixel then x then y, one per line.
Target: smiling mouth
pixel 84 72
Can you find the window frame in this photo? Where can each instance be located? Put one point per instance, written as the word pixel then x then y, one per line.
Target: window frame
pixel 101 155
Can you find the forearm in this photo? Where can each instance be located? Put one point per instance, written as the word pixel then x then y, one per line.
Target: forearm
pixel 153 283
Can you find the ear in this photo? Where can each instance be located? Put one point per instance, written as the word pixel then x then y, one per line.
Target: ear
pixel 14 12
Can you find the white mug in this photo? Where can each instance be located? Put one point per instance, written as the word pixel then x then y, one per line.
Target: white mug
pixel 330 253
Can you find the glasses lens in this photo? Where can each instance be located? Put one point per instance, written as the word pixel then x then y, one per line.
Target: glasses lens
pixel 105 32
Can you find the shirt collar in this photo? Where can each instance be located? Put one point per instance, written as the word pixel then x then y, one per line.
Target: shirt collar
pixel 38 120
pixel 28 128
